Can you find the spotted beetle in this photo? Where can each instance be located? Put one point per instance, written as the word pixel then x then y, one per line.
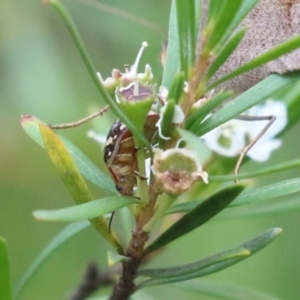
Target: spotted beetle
pixel 120 153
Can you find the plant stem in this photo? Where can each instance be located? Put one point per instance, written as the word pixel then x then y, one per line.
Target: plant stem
pixel 90 67
pixel 135 251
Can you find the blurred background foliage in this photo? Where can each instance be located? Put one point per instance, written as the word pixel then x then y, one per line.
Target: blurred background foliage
pixel 42 75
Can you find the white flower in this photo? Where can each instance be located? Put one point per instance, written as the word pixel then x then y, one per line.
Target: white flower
pixel 129 76
pixel 178 118
pixel 231 137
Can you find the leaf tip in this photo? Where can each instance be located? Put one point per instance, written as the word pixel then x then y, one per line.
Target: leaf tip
pixel 37 214
pixel 27 118
pixel 277 231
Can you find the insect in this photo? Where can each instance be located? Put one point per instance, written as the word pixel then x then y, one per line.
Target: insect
pixel 120 150
pixel 120 154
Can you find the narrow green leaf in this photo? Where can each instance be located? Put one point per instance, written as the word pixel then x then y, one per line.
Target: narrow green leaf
pixel 85 166
pixel 194 266
pixel 198 216
pixel 92 71
pixel 224 291
pixel 245 7
pixel 215 9
pixel 221 20
pixel 183 207
pixel 278 189
pixel 292 100
pixel 72 179
pixel 166 122
pixel 172 57
pixel 192 29
pixel 59 240
pixel 277 168
pixel 65 166
pixel 5 285
pixel 274 53
pixel 183 35
pixel 176 89
pixel 286 206
pixel 243 102
pixel 224 54
pixel 194 120
pixel 85 211
pixel 265 193
pixel 253 246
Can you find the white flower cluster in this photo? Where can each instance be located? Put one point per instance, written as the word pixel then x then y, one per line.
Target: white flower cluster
pixel 231 137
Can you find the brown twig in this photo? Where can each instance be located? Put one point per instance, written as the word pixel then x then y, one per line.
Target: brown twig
pixel 92 280
pixel 125 285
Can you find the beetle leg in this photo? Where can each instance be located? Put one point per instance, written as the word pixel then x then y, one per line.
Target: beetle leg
pixel 142 177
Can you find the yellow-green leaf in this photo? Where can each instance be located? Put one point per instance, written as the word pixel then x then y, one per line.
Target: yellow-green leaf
pixel 72 179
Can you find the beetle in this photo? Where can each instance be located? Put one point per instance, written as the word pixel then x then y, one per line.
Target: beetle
pixel 120 150
pixel 120 153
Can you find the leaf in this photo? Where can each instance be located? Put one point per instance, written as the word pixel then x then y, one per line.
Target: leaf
pixel 292 99
pixel 243 102
pixel 253 246
pixel 265 193
pixel 187 33
pixel 92 71
pixel 287 206
pixel 72 179
pixel 172 59
pixel 278 189
pixel 5 285
pixel 220 21
pixel 277 168
pixel 225 53
pixel 166 122
pixel 176 89
pixel 195 118
pixel 194 266
pixel 197 217
pixel 245 7
pixel 275 52
pixel 59 240
pixel 85 211
pixel 85 166
pixel 224 290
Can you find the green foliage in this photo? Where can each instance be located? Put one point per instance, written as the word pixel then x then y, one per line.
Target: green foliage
pixel 266 57
pixel 197 217
pixel 59 240
pixel 251 97
pixel 224 290
pixel 5 286
pixel 195 266
pixel 187 74
pixel 84 165
pixel 72 179
pixel 211 264
pixel 86 211
pixel 249 196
